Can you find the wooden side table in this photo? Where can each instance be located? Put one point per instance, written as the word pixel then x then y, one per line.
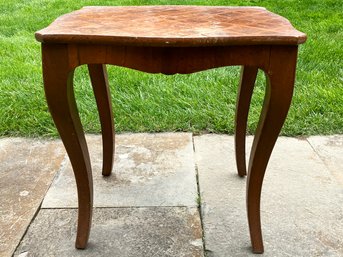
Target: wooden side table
pixel 169 40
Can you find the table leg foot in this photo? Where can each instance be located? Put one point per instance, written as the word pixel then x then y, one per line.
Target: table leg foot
pixel 280 82
pixel 245 90
pixel 58 85
pixel 102 94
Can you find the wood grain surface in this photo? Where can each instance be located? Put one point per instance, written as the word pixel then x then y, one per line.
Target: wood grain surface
pixel 172 26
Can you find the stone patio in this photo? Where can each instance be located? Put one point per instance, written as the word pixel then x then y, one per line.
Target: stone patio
pixel 149 206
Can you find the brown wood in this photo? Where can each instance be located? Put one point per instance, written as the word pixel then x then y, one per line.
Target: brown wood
pixel 102 94
pixel 58 86
pixel 171 26
pixel 169 40
pixel 280 82
pixel 245 90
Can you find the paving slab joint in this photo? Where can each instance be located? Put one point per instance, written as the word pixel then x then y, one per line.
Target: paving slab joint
pixel 199 201
pixel 27 228
pixel 313 148
pixel 317 153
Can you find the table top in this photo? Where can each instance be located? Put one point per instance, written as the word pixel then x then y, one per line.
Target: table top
pixel 176 26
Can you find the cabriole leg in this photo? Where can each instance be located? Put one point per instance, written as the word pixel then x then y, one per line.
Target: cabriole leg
pixel 58 85
pixel 279 90
pixel 245 90
pixel 102 94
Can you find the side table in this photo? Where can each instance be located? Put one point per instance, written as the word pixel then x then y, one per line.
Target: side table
pixel 169 40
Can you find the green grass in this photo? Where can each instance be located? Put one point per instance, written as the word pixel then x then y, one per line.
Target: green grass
pixel 197 102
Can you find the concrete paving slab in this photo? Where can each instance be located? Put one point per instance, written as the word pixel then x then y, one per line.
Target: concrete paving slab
pixel 149 170
pixel 302 203
pixel 27 168
pixel 162 231
pixel 330 150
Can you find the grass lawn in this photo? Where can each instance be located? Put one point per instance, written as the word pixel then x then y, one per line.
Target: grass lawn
pixel 197 102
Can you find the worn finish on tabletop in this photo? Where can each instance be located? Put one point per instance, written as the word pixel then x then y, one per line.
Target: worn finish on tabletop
pixel 169 40
pixel 172 26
